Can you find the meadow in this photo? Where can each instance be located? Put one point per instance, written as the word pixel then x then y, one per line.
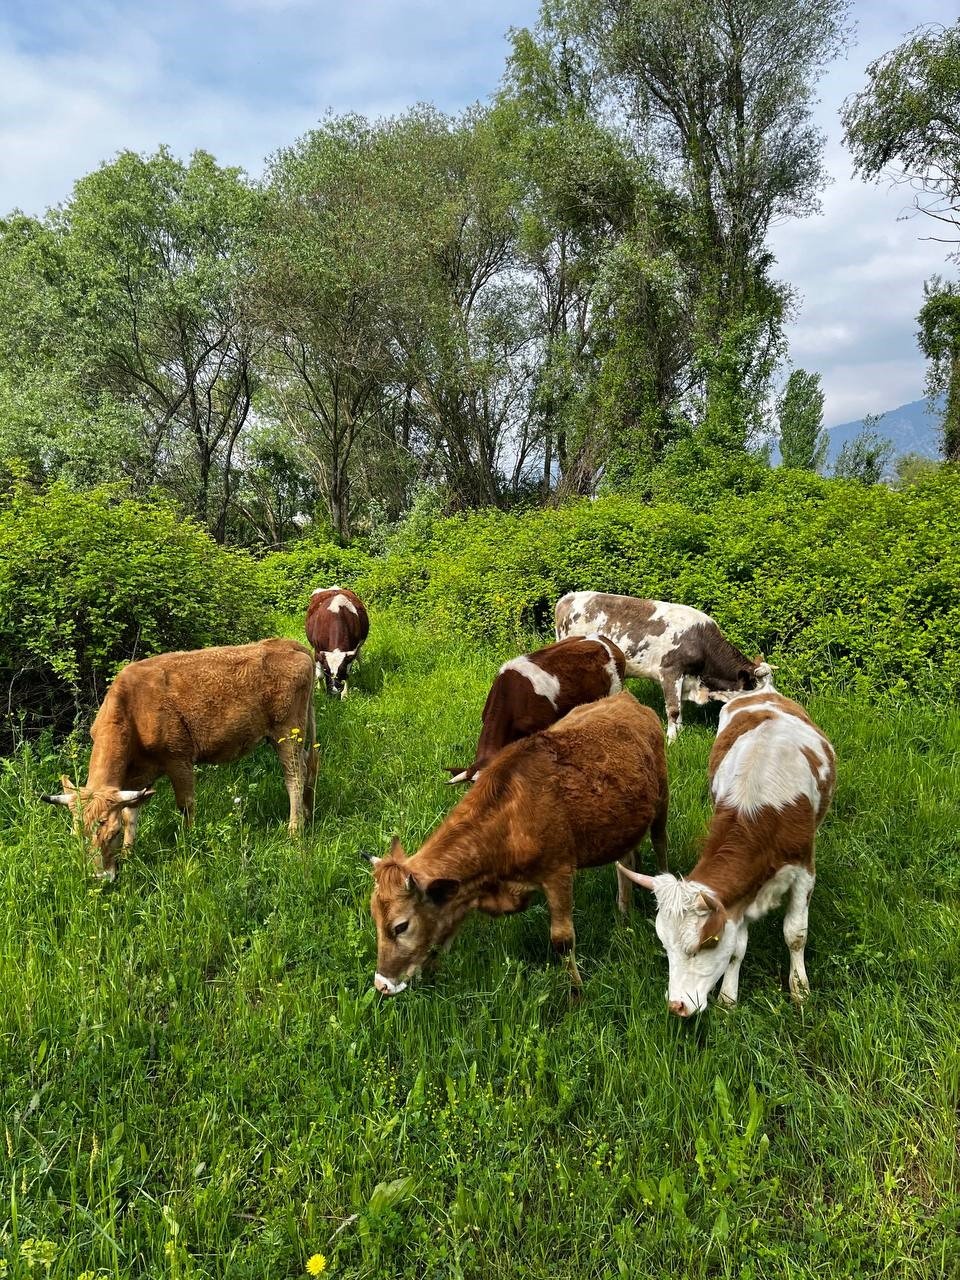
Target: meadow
pixel 198 1079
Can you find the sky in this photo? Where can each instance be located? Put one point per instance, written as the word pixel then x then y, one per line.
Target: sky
pixel 82 80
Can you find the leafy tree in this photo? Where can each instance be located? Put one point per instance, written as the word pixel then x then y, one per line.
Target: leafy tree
pixel 866 456
pixel 328 268
pixel 157 273
pixel 803 443
pixel 939 339
pixel 906 123
pixel 725 88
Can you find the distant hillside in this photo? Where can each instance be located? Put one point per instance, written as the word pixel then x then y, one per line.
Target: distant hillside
pixel 913 428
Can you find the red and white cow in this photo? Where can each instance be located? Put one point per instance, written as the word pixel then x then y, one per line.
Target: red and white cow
pixel 681 648
pixel 337 625
pixel 772 774
pixel 535 691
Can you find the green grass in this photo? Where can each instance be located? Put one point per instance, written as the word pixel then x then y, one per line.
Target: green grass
pixel 198 1080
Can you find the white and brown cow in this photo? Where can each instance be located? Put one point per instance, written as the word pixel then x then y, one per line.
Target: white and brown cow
pixel 580 794
pixel 534 691
pixel 772 773
pixel 163 715
pixel 337 625
pixel 682 648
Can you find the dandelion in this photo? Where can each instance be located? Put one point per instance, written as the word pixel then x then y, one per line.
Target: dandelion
pixel 316 1265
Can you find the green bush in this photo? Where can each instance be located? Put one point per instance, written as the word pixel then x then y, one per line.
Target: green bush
pixel 288 577
pixel 91 580
pixel 833 581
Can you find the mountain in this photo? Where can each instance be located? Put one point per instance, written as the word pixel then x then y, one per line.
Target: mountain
pixel 913 428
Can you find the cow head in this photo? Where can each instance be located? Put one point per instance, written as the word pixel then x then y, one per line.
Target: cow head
pixel 333 668
pixel 697 934
pixel 414 917
pixel 98 815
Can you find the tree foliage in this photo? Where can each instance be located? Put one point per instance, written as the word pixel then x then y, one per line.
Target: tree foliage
pixel 803 443
pixel 905 124
pixel 939 339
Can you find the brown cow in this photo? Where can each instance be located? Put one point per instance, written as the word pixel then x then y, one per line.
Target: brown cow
pixel 165 714
pixel 772 773
pixel 337 625
pixel 681 648
pixel 580 794
pixel 537 690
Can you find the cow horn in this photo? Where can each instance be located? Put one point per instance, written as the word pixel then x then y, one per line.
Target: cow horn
pixel 645 882
pixel 63 798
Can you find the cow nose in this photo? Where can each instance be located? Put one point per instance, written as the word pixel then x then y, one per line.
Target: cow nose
pixel 679 1008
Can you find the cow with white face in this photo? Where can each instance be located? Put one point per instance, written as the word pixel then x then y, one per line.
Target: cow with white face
pixel 772 774
pixel 337 625
pixel 679 647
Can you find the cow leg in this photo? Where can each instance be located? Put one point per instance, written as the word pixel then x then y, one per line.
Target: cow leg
pixel 795 934
pixel 559 894
pixel 291 755
pixel 730 987
pixel 672 683
pixel 624 884
pixel 131 816
pixel 180 773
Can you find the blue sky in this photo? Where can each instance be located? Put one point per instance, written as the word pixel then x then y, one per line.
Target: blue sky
pixel 81 80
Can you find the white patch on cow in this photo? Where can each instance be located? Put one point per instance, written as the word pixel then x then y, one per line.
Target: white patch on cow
pixel 386 986
pixel 771 894
pixel 341 602
pixel 616 684
pixel 694 690
pixel 546 685
pixel 336 658
pixel 766 765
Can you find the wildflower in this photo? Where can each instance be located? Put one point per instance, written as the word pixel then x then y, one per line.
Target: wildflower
pixel 236 799
pixel 316 1265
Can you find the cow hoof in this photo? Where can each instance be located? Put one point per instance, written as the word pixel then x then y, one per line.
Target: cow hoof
pixel 726 1002
pixel 799 991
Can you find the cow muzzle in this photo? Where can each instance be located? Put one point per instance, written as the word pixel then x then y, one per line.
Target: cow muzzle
pixel 387 986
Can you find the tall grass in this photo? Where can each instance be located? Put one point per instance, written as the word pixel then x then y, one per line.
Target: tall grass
pixel 198 1080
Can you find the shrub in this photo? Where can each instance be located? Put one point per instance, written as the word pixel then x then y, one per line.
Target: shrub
pixel 832 581
pixel 91 580
pixel 288 577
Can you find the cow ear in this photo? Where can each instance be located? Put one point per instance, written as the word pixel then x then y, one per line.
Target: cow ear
pixel 711 931
pixel 436 892
pixel 65 782
pixel 703 905
pixel 440 891
pixel 396 849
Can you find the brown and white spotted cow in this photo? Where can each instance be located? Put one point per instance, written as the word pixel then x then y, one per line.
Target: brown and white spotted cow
pixel 337 625
pixel 772 774
pixel 534 691
pixel 579 794
pixel 682 648
pixel 165 714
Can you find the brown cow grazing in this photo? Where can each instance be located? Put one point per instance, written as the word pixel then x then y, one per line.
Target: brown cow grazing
pixel 337 625
pixel 771 777
pixel 579 794
pixel 165 714
pixel 535 691
pixel 681 648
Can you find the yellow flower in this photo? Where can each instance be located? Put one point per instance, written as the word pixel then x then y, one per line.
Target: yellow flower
pixel 316 1265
